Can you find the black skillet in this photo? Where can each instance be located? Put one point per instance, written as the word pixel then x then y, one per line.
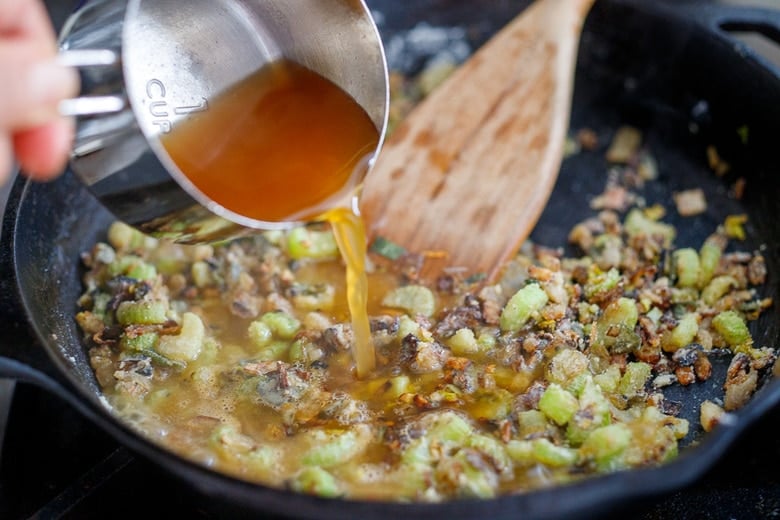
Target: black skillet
pixel 671 68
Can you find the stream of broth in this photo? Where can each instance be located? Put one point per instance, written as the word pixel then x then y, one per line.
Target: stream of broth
pixel 286 144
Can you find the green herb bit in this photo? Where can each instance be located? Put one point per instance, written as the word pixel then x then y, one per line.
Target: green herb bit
pixel 386 248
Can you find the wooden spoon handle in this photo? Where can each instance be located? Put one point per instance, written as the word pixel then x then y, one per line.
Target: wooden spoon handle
pixel 469 171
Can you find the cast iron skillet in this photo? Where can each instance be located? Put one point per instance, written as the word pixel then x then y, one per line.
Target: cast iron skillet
pixel 670 68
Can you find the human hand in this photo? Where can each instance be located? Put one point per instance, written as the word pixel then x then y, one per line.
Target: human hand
pixel 31 86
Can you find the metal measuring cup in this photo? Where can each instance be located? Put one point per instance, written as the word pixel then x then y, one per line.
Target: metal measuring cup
pixel 147 64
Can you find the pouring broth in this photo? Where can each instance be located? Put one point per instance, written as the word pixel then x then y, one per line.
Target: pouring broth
pixel 286 144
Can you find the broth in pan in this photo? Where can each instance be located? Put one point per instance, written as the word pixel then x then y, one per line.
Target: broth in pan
pixel 239 355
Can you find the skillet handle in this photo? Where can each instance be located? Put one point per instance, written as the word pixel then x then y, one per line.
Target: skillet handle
pixel 724 21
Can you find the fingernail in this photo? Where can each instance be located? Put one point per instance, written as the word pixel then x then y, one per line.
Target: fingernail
pixel 50 82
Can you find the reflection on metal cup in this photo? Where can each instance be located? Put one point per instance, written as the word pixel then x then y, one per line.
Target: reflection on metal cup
pixel 147 65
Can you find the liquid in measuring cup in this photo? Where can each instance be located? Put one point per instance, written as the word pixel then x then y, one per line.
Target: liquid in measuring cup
pixel 286 144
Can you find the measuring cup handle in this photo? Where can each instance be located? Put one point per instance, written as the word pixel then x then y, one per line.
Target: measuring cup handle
pixel 90 105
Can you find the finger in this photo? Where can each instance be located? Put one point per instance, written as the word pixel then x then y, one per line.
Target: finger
pixel 32 90
pixel 43 152
pixel 27 19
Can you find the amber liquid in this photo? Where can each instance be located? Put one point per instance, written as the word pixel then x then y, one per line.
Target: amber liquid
pixel 286 144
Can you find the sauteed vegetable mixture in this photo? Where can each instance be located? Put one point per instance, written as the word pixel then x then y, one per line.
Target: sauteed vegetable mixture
pixel 237 355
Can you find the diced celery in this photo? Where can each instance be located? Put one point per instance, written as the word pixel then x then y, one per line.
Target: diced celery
pixel 273 351
pixel 201 274
pixel 709 258
pixel 303 242
pixel 532 423
pixel 594 412
pixel 609 379
pixel 491 404
pixel 263 459
pixel 281 324
pixel 733 328
pixel 688 267
pixel 734 225
pixel 397 386
pixel 576 384
pixel 121 236
pixel 522 452
pixel 566 365
pixel 493 448
pixel 260 333
pixel 463 342
pixel 682 334
pixel 717 288
pixel 417 452
pixel 414 299
pixel 406 326
pixel 141 313
pixel 635 378
pixel 521 307
pixel 331 448
pixel 185 346
pixel 468 480
pixel 140 343
pixel 302 350
pixel 615 327
pixel 605 445
pixel 133 267
pixel 451 426
pixel 230 443
pixel 638 223
pixel 551 455
pixel 486 341
pixel 601 282
pixel 315 481
pixel 313 297
pixel 558 404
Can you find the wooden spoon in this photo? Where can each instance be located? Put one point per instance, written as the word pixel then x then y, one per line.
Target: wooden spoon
pixel 466 175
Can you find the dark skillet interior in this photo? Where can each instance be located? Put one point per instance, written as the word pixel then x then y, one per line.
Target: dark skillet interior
pixel 639 64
